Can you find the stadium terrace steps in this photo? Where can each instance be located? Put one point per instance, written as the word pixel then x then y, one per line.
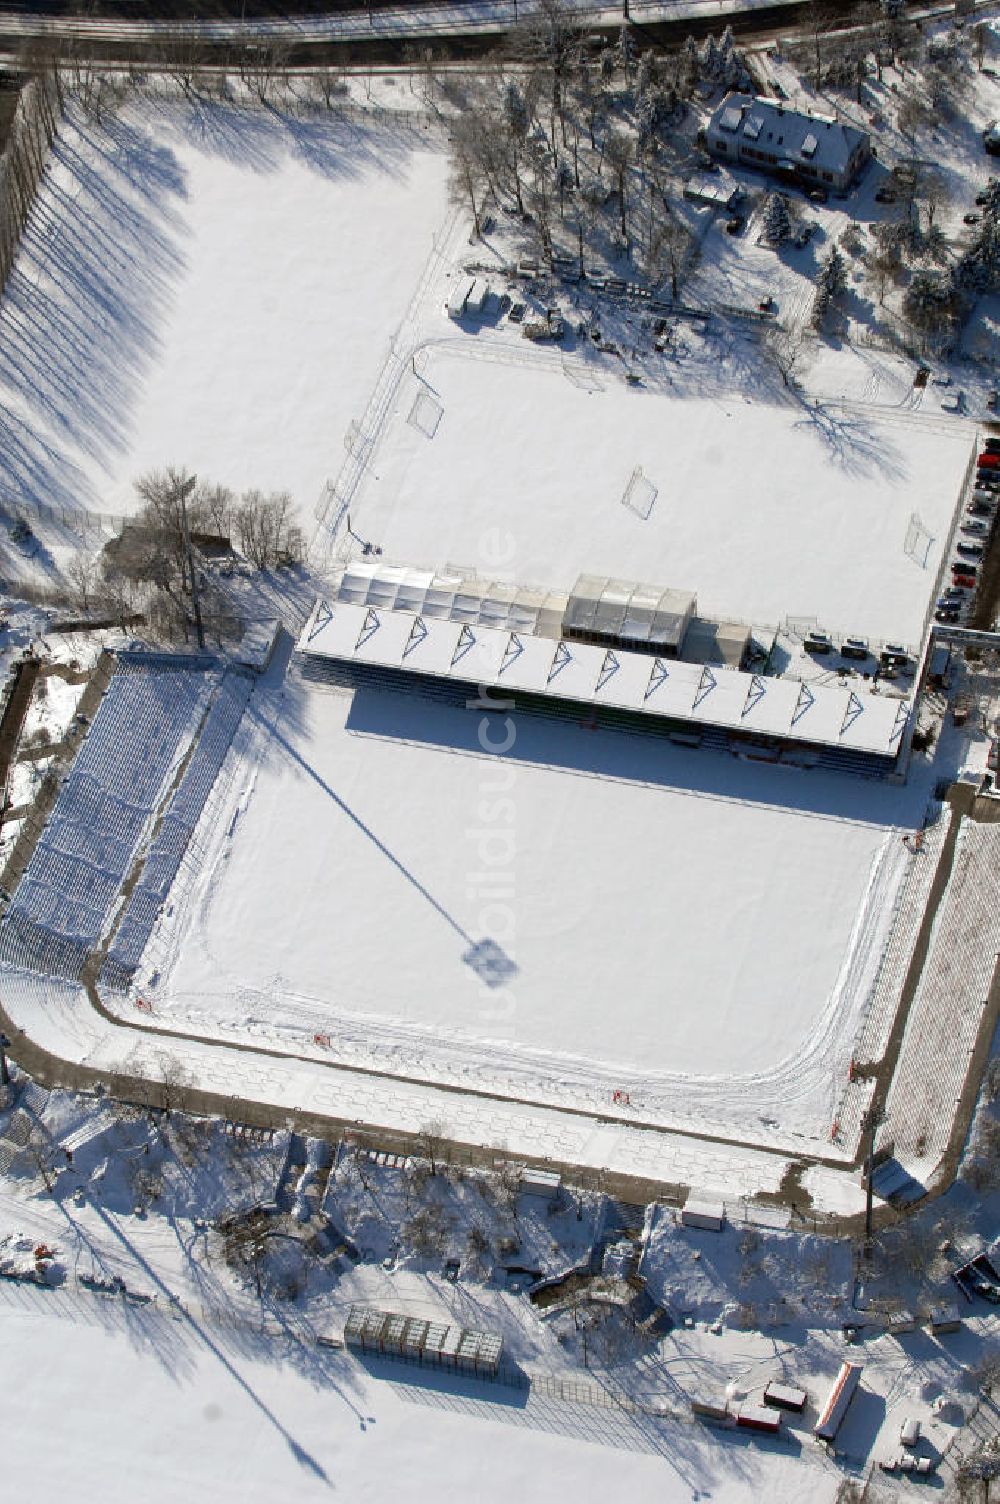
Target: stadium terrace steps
pixel 158 710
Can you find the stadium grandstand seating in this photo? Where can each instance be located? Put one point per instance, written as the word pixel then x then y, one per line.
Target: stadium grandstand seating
pixel 140 734
pixel 171 841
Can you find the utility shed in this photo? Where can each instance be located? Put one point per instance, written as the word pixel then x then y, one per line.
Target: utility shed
pixel 702 1213
pixel 256 646
pixel 845 1387
pixel 540 1182
pixel 713 190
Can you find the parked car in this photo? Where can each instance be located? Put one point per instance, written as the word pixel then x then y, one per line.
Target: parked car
pixel 818 195
pixel 992 446
pixel 988 460
pixel 970 550
pixel 854 647
pixel 949 618
pixel 909 1432
pixel 894 654
pixel 818 642
pixel 970 219
pixel 977 527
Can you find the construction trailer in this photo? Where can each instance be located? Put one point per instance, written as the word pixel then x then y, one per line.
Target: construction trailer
pixel 759 1418
pixel 845 1386
pixel 785 1397
pixel 459 299
pixel 710 1215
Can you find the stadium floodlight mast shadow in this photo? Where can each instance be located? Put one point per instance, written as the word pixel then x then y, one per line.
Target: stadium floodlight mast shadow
pixel 183 492
pixel 872 1120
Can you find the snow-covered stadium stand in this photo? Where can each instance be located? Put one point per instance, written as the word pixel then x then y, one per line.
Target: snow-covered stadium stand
pixel 171 841
pixel 141 732
pixel 880 1012
pixel 857 728
pixel 947 1009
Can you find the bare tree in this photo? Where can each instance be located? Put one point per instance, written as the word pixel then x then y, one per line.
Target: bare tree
pixel 468 178
pixel 82 577
pixel 327 85
pixel 618 154
pixel 432 1143
pixel 784 346
pixel 261 66
pixel 550 40
pixel 266 530
pixel 669 250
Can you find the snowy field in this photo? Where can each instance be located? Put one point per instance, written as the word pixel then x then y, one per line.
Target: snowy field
pixel 235 277
pixel 220 1412
pixel 671 918
pixel 762 508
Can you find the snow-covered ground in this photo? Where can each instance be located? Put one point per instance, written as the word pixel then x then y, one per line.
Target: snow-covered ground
pixel 699 931
pixel 762 510
pixel 236 276
pixel 220 1384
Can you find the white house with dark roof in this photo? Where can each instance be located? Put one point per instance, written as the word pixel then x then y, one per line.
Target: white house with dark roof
pixel 816 150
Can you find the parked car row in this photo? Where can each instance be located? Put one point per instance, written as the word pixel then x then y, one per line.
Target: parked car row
pixel 889 660
pixel 973 539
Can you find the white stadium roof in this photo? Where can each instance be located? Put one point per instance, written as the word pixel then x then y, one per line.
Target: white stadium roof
pixel 829 714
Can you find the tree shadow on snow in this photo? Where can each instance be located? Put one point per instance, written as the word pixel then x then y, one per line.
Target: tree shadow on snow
pixel 80 317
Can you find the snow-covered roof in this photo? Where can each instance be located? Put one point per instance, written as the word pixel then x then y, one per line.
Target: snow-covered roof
pixel 821 141
pixel 629 612
pixel 825 714
pixel 452 596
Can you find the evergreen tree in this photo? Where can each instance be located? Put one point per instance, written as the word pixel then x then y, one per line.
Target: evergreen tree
pixel 930 300
pixel 832 274
pixel 777 221
pixel 690 72
pixel 710 59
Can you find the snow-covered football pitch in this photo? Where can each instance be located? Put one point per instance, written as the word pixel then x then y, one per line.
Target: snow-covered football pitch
pixel 699 933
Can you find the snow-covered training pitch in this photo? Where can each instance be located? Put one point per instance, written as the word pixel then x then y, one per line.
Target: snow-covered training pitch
pixel 762 511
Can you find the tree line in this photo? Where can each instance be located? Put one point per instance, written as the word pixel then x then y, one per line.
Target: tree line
pixel 579 143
